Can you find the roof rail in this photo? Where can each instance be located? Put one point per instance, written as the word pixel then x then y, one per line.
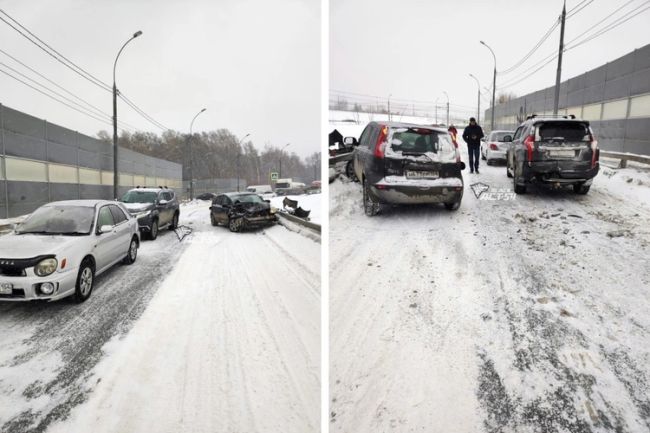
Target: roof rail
pixel 554 116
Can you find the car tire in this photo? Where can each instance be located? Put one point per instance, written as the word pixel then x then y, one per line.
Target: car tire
pixel 483 157
pixel 85 281
pixel 174 224
pixel 581 188
pixel 519 189
pixel 452 206
pixel 132 254
pixel 349 172
pixel 153 232
pixel 370 207
pixel 235 224
pixel 488 161
pixel 213 220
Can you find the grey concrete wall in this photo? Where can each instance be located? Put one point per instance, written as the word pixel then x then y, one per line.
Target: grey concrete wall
pixel 26 137
pixel 625 77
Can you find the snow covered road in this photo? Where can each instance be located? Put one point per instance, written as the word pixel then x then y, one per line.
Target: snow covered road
pixel 528 315
pixel 223 336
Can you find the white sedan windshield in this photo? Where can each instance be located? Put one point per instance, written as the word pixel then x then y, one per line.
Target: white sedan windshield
pixel 66 220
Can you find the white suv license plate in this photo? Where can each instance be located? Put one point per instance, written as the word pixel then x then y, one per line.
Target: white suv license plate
pixel 562 153
pixel 6 288
pixel 412 174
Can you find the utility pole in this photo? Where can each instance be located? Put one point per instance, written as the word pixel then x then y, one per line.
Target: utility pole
pixel 558 76
pixel 437 109
pixel 447 106
pixel 389 107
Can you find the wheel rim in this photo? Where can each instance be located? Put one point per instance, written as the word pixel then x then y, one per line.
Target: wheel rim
pixel 154 229
pixel 86 281
pixel 133 250
pixel 234 224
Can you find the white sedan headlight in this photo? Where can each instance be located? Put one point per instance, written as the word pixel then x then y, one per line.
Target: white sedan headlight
pixel 45 267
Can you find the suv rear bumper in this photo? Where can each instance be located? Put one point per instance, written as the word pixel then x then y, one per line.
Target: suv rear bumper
pixel 567 172
pixel 398 190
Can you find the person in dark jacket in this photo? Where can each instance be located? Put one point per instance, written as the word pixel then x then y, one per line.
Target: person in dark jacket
pixel 472 136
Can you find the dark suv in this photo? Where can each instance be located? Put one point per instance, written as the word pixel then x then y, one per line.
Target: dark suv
pixel 556 151
pixel 155 208
pixel 401 163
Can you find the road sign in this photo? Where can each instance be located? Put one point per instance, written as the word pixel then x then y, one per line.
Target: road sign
pixel 274 176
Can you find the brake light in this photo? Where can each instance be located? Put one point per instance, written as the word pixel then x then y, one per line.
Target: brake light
pixel 530 144
pixel 379 146
pixel 494 146
pixel 595 152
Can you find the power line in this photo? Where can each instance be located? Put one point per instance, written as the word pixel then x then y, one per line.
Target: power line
pixel 622 19
pixel 72 66
pixel 58 100
pixel 141 112
pixel 94 109
pixel 626 17
pixel 532 51
pixel 570 13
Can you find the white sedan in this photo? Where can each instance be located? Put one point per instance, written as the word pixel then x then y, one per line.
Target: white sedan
pixel 62 246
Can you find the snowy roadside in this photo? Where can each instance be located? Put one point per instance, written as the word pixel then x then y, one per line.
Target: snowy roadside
pixel 505 316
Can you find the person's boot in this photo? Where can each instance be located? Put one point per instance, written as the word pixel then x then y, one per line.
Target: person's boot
pixel 477 170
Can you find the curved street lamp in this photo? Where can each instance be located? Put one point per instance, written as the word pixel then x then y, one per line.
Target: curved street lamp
pixel 494 83
pixel 189 141
pixel 115 163
pixel 478 109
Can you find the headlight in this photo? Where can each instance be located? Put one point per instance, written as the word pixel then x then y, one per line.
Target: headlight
pixel 45 267
pixel 141 214
pixel 273 210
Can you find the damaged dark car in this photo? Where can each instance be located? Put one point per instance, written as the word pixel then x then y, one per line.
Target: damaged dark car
pixel 241 211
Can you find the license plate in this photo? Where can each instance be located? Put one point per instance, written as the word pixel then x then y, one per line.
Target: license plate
pixel 562 153
pixel 412 174
pixel 6 288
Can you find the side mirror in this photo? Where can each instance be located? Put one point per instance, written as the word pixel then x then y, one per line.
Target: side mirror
pixel 350 141
pixel 105 229
pixel 507 139
pixel 462 165
pixel 483 139
pixel 162 202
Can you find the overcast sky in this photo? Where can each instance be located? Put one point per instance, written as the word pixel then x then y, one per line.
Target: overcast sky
pixel 418 49
pixel 254 64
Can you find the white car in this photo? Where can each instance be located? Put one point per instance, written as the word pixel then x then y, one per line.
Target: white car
pixel 495 146
pixel 62 246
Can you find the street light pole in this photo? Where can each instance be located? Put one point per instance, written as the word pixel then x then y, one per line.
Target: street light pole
pixel 447 107
pixel 281 150
pixel 494 83
pixel 115 147
pixel 478 110
pixel 239 155
pixel 389 106
pixel 189 141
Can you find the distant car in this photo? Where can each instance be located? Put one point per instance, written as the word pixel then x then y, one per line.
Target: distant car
pixel 556 151
pixel 206 196
pixel 154 208
pixel 495 146
pixel 264 191
pixel 401 163
pixel 60 248
pixel 241 210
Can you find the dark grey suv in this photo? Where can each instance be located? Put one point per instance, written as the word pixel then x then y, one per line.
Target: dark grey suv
pixel 155 208
pixel 401 163
pixel 556 151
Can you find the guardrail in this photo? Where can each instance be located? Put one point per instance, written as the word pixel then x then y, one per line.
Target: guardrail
pixel 290 222
pixel 625 157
